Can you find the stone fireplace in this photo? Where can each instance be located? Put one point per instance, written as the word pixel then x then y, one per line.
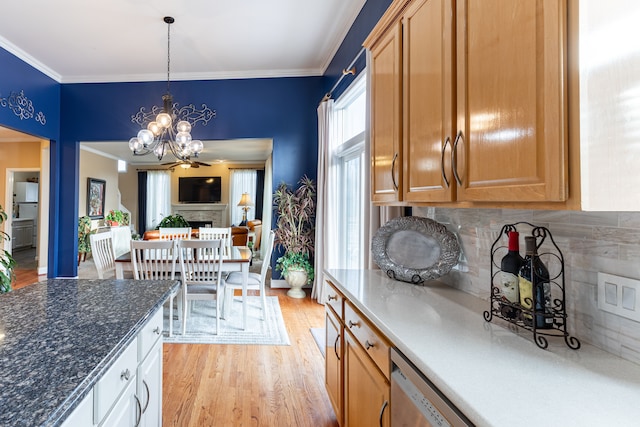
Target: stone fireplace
pixel 202 213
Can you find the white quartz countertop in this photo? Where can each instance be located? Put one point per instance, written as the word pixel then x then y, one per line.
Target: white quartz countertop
pixel 493 372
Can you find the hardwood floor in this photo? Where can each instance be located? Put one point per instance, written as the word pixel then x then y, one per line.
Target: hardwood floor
pixel 251 385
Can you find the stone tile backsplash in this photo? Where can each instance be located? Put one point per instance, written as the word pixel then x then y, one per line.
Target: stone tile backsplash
pixel 590 242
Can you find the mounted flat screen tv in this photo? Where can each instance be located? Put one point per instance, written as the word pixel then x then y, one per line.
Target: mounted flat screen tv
pixel 200 189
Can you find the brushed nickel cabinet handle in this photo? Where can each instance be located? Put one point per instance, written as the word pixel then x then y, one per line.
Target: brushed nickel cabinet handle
pixel 146 386
pixel 454 157
pixel 138 411
pixel 333 297
pixel 447 141
pixel 393 167
pixel 368 345
pixel 335 346
pixel 352 324
pixel 384 406
pixel 125 375
pixel 157 330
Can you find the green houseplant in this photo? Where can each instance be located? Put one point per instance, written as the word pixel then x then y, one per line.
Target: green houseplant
pixel 175 220
pixel 7 263
pixel 294 233
pixel 114 218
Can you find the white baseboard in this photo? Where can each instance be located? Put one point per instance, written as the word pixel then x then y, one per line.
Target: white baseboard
pixel 282 284
pixel 42 271
pixel 278 284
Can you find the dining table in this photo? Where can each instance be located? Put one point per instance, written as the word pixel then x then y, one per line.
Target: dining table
pixel 238 260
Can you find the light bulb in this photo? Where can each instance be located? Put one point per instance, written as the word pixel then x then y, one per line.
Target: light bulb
pixel 183 138
pixel 155 128
pixel 146 137
pixel 135 145
pixel 159 151
pixel 164 120
pixel 183 126
pixel 196 146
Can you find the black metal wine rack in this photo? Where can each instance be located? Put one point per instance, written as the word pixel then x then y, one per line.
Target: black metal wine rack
pixel 518 314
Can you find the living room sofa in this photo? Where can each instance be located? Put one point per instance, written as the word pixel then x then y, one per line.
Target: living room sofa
pixel 239 235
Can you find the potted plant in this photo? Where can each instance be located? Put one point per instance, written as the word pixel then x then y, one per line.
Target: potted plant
pixel 294 233
pixel 175 220
pixel 114 218
pixel 7 263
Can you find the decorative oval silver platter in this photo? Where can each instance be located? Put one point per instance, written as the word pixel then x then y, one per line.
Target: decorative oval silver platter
pixel 414 249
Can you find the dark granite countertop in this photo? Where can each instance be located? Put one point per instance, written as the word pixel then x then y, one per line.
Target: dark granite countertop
pixel 59 336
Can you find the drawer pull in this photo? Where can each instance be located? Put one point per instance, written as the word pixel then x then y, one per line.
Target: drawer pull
pixel 125 375
pixel 352 324
pixel 157 330
pixel 335 346
pixel 447 141
pixel 368 345
pixel 333 297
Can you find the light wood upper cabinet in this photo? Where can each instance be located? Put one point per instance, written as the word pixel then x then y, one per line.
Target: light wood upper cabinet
pixel 484 97
pixel 428 97
pixel 386 114
pixel 511 100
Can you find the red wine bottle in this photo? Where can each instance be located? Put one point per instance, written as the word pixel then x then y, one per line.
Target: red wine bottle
pixel 534 277
pixel 510 266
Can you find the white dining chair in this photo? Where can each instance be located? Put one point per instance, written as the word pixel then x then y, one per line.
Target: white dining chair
pixel 174 233
pixel 201 273
pixel 103 254
pixel 256 281
pixel 156 260
pixel 217 233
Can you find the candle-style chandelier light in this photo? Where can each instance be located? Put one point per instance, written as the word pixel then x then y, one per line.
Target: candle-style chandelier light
pixel 168 129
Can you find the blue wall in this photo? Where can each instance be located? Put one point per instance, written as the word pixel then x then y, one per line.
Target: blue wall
pixel 283 109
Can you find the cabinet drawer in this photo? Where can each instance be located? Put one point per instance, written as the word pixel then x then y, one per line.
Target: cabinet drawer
pixel 375 345
pixel 335 299
pixel 114 381
pixel 149 334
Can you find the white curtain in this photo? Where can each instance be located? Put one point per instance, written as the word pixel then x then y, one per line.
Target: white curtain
pixel 325 221
pixel 158 197
pixel 241 181
pixel 267 207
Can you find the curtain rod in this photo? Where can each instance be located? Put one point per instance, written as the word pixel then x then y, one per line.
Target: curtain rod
pixel 345 72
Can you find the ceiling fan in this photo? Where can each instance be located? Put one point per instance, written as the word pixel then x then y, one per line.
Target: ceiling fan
pixel 188 163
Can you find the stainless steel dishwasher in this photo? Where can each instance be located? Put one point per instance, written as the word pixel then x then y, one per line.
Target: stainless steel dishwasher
pixel 416 402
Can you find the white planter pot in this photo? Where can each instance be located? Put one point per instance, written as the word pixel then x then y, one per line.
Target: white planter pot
pixel 296 279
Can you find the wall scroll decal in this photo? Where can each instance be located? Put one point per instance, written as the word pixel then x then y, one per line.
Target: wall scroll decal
pixel 22 107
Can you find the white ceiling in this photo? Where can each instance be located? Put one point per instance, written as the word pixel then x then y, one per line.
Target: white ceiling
pixel 126 40
pixel 79 41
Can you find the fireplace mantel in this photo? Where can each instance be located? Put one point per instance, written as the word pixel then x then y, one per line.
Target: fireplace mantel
pixel 214 212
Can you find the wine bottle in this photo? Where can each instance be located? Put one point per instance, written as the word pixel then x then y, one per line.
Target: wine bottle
pixel 534 277
pixel 510 266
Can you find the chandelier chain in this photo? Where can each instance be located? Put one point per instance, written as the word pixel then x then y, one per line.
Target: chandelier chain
pixel 168 55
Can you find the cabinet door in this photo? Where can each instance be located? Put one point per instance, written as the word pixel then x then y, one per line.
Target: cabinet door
pixel 511 100
pixel 149 388
pixel 366 389
pixel 386 117
pixel 428 97
pixel 333 363
pixel 127 410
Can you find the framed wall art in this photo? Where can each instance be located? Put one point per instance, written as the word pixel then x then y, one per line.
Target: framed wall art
pixel 95 198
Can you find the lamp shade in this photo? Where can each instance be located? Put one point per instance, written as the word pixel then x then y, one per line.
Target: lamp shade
pixel 245 200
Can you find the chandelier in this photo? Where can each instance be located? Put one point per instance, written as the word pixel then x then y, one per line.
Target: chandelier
pixel 168 129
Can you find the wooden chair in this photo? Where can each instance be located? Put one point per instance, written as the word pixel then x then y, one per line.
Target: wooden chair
pixel 155 260
pixel 174 233
pixel 255 282
pixel 201 272
pixel 217 233
pixel 103 254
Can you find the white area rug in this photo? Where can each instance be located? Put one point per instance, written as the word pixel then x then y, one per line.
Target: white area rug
pixel 201 324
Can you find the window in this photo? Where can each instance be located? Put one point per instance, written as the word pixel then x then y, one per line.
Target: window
pixel 242 181
pixel 348 170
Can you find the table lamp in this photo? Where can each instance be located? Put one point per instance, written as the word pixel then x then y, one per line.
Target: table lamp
pixel 245 203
